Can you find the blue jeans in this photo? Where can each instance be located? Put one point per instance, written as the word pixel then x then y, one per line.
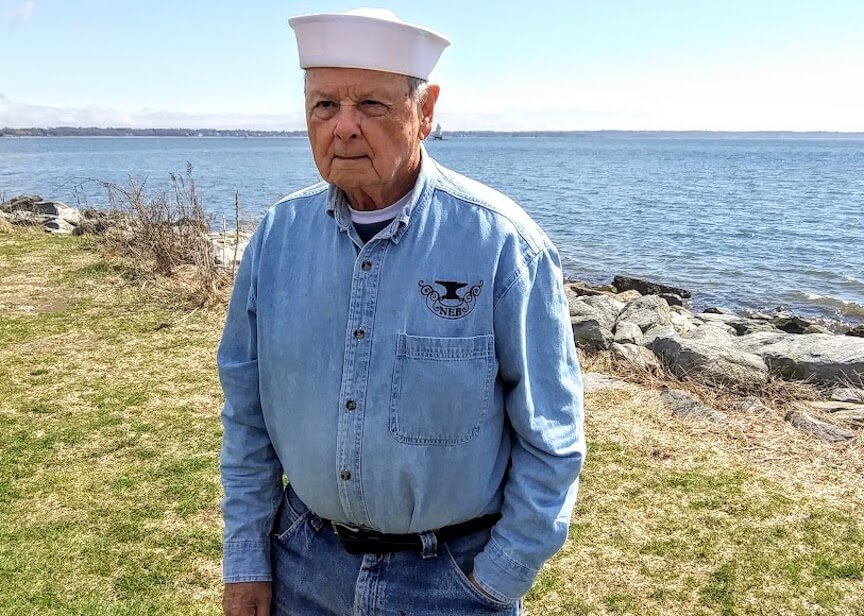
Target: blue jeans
pixel 313 575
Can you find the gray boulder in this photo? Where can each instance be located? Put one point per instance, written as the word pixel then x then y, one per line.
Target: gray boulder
pixel 597 381
pixel 60 210
pixel 833 406
pixel 821 430
pixel 751 404
pixel 850 412
pixel 755 342
pixel 579 310
pixel 659 331
pixel 591 327
pixel 628 296
pixel 791 324
pixel 684 405
pixel 21 202
pixel 751 326
pixel 647 311
pixel 854 417
pixel 711 331
pixel 758 315
pixel 821 358
pixel 674 300
pixel 718 310
pixel 591 333
pixel 848 394
pixel 681 322
pixel 711 360
pixel 58 226
pixel 715 317
pixel 626 283
pixel 857 331
pixel 607 307
pixel 225 246
pixel 628 333
pixel 580 287
pixel 636 356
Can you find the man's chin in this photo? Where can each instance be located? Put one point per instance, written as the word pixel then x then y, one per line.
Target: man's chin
pixel 349 178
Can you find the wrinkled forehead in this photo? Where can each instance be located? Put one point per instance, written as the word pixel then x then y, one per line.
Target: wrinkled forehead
pixel 340 80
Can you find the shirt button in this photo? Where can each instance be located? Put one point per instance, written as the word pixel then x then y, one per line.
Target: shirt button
pixel 366 265
pixel 350 405
pixel 359 334
pixel 345 475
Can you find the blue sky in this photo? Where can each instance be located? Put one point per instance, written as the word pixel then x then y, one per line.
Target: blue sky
pixel 540 65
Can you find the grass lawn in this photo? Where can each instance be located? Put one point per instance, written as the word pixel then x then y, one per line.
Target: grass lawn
pixel 109 490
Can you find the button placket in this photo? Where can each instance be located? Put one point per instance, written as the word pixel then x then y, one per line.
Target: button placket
pixel 355 368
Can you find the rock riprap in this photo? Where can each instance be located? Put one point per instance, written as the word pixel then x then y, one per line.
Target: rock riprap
pixel 716 345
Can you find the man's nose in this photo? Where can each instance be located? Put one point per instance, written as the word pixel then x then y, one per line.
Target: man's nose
pixel 347 123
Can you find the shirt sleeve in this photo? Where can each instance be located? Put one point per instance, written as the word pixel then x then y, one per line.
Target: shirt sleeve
pixel 543 400
pixel 251 472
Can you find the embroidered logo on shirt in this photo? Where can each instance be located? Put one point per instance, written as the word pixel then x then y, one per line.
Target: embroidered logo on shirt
pixel 450 304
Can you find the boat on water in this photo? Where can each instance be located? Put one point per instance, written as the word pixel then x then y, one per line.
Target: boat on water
pixel 437 134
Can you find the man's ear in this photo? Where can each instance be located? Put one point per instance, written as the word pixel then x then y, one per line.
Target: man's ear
pixel 427 109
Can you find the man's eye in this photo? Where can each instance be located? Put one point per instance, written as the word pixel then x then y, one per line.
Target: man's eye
pixel 373 108
pixel 325 109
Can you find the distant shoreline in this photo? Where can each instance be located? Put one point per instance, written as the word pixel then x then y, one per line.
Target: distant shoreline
pixel 92 131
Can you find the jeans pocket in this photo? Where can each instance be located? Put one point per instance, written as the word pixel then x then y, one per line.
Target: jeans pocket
pixel 290 518
pixel 460 576
pixel 441 388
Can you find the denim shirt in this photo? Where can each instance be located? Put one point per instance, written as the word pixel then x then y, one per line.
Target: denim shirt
pixel 421 379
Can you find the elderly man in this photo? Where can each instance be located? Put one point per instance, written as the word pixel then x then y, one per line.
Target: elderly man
pixel 398 345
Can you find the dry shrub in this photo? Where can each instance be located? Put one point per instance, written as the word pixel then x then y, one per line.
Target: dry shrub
pixel 167 234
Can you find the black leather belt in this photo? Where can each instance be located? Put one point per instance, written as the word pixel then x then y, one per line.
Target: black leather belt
pixel 362 541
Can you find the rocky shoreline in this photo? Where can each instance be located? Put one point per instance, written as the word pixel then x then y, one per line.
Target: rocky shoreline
pixel 60 219
pixel 645 326
pixel 648 327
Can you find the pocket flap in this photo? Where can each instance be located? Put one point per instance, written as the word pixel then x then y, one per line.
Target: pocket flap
pixel 424 347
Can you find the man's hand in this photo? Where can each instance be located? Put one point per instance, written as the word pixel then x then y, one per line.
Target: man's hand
pixel 247 599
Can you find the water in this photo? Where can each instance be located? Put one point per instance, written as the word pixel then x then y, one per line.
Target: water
pixel 744 223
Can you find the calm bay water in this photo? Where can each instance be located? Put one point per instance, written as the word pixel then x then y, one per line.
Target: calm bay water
pixel 741 222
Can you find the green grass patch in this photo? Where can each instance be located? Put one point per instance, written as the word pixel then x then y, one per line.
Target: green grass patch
pixel 109 490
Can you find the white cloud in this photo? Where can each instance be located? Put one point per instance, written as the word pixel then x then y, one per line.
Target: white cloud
pixel 15 14
pixel 809 95
pixel 23 115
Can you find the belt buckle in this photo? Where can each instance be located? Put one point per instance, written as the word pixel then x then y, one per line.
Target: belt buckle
pixel 347 532
pixel 352 539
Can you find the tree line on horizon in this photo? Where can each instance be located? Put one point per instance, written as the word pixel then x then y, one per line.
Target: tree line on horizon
pixel 94 131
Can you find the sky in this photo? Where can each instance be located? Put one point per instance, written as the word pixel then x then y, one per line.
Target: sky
pixel 735 65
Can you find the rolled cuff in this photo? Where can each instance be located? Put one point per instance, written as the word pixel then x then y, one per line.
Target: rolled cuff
pixel 500 575
pixel 246 561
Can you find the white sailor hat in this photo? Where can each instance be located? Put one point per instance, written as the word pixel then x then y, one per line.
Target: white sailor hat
pixel 373 39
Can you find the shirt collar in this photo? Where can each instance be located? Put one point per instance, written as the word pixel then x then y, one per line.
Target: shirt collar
pixel 420 195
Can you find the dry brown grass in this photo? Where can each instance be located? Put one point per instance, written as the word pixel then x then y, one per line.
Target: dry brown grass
pixel 677 516
pixel 165 236
pixel 763 436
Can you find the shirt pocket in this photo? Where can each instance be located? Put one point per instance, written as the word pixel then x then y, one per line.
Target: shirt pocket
pixel 441 388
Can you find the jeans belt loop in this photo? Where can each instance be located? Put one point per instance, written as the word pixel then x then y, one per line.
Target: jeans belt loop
pixel 430 544
pixel 316 522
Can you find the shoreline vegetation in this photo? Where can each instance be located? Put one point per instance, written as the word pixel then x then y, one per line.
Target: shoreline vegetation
pixel 94 131
pixel 726 451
